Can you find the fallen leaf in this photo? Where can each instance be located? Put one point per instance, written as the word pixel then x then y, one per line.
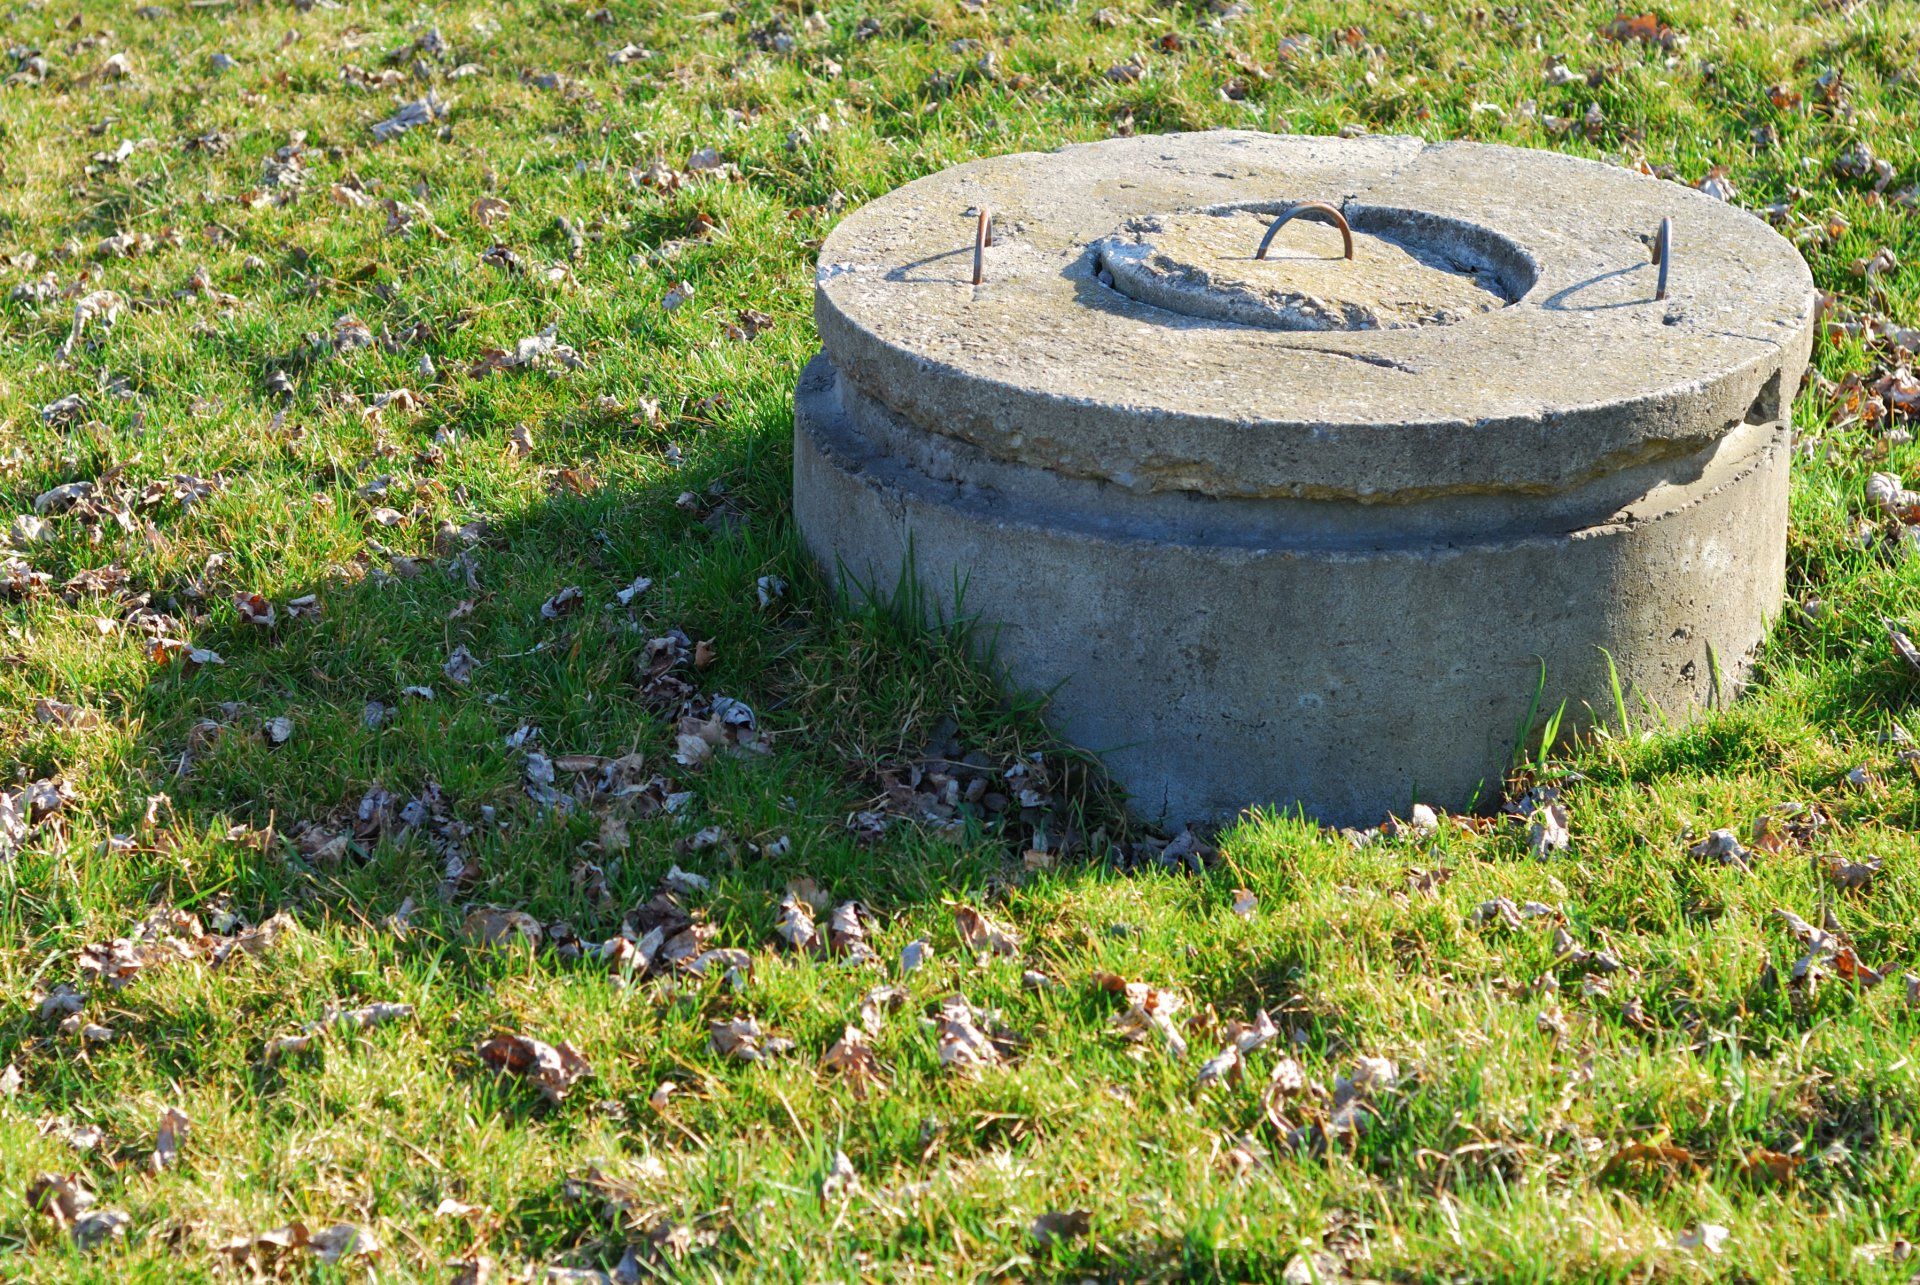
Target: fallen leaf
pixel 1707 1236
pixel 422 111
pixel 1149 1012
pixel 852 1057
pixel 342 1241
pixel 1499 910
pixel 1903 647
pixel 554 1069
pixel 1855 876
pixel 1888 493
pixel 459 666
pixel 1771 1166
pixel 847 932
pixel 451 1208
pixel 1547 830
pixel 1723 846
pixel 1054 1228
pixel 794 923
pixel 742 1039
pixel 977 932
pixel 841 1180
pixel 686 883
pixel 959 1040
pixel 98 1226
pixel 562 603
pixel 166 1147
pixel 255 610
pixel 1826 945
pixel 492 926
pixel 1644 1156
pixel 60 714
pixel 61 1197
pixel 353 1019
pixel 1645 28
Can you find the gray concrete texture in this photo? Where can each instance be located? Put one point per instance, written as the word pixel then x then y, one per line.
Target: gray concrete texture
pixel 1204 264
pixel 1304 531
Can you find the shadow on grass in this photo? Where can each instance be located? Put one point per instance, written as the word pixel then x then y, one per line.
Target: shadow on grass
pixel 332 765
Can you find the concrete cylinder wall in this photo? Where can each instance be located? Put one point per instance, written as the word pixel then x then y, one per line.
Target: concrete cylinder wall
pixel 1224 639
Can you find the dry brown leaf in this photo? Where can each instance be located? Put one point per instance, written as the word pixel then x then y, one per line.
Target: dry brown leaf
pixel 1054 1228
pixel 977 932
pixel 254 941
pixel 61 1197
pixel 1645 28
pixel 1855 876
pixel 354 1019
pixel 1770 1166
pixel 794 922
pixel 341 1241
pixel 1723 846
pixel 847 931
pixel 1888 493
pixel 1149 1012
pixel 959 1039
pixel 96 1226
pixel 1903 647
pixel 264 1247
pixel 1643 1157
pixel 553 1069
pixel 166 1145
pixel 494 927
pixel 1826 945
pixel 451 1208
pixel 742 1039
pixel 853 1058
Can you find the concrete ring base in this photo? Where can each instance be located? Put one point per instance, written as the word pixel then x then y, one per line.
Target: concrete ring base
pixel 1348 676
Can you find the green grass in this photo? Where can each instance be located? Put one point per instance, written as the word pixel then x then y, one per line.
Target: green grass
pixel 666 454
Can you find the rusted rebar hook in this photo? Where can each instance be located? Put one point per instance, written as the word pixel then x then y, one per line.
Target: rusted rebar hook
pixel 982 238
pixel 1329 214
pixel 1663 255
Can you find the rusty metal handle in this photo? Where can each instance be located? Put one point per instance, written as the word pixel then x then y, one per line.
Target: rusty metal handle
pixel 982 238
pixel 1331 214
pixel 1663 255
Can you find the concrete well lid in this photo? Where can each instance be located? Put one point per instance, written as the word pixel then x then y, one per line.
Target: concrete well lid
pixel 1122 333
pixel 1256 266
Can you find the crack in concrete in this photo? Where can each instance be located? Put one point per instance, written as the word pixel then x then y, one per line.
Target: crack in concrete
pixel 1371 359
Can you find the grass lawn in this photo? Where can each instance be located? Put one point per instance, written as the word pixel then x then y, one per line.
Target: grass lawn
pixel 393 881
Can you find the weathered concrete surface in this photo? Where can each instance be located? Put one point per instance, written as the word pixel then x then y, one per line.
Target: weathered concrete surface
pixel 1211 675
pixel 1202 264
pixel 1043 365
pixel 1313 568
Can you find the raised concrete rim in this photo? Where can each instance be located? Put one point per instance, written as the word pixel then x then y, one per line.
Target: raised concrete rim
pixel 837 435
pixel 1410 269
pixel 1043 365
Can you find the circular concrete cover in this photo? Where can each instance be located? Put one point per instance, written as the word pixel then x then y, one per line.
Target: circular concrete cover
pixel 1583 372
pixel 1206 263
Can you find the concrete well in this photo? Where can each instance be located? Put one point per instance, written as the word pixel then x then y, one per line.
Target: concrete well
pixel 1307 530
